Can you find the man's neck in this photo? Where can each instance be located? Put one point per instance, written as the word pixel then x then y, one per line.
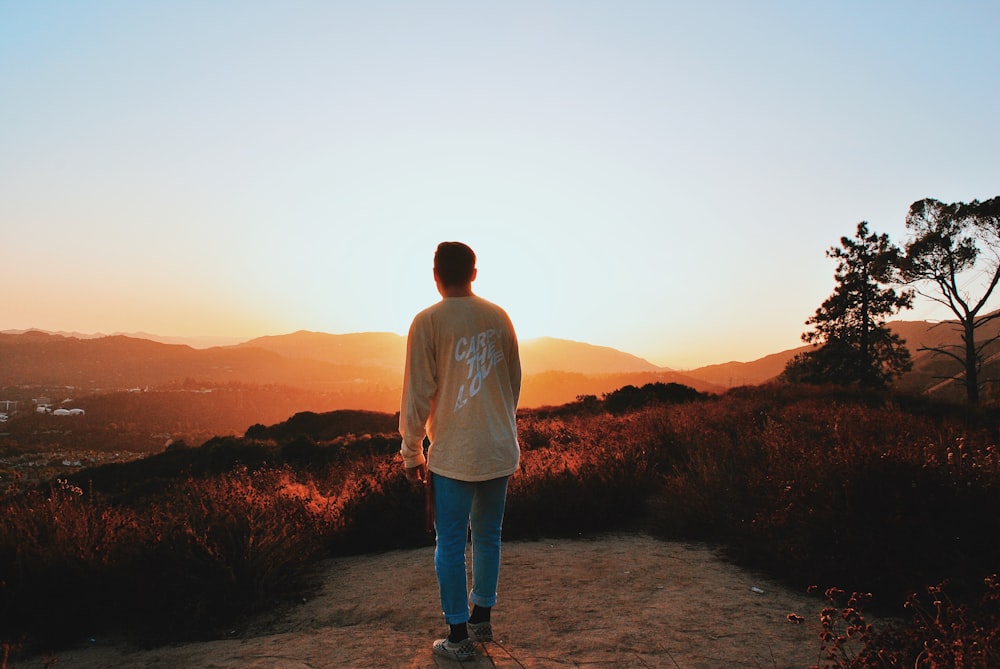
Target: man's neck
pixel 457 291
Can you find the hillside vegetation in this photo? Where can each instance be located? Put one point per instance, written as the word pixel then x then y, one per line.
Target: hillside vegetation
pixel 139 395
pixel 869 493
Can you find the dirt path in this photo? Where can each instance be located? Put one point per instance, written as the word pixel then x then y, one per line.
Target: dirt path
pixel 616 602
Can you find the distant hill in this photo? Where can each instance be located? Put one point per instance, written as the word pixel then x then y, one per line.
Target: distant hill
pixel 366 349
pixel 118 362
pixel 546 354
pixel 388 350
pixel 140 395
pixel 935 374
pixel 930 371
pixel 732 374
pixel 207 341
pixel 363 370
pixel 923 333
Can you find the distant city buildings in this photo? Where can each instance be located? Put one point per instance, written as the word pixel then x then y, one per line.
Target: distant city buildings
pixel 68 412
pixel 41 405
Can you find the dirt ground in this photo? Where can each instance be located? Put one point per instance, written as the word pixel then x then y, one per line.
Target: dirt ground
pixel 619 601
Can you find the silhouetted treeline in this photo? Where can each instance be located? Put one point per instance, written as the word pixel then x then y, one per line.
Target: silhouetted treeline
pixel 625 398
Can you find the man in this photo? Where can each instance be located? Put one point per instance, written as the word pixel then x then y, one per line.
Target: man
pixel 460 388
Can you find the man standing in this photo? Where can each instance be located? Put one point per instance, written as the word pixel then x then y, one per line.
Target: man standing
pixel 460 388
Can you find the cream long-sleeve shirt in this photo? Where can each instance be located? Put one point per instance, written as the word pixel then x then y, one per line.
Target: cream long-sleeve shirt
pixel 460 388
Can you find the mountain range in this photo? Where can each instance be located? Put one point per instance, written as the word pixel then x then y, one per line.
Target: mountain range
pixel 361 368
pixel 359 364
pixel 138 395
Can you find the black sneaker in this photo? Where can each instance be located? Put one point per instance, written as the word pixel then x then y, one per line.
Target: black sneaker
pixel 480 631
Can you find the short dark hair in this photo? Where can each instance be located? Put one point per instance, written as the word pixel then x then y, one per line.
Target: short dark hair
pixel 454 262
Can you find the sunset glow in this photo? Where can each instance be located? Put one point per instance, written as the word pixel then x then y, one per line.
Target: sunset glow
pixel 661 178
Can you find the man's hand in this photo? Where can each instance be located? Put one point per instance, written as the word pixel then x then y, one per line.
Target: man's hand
pixel 417 475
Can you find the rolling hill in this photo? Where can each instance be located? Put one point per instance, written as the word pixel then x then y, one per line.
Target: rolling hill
pixel 388 350
pixel 365 368
pixel 140 395
pixel 356 367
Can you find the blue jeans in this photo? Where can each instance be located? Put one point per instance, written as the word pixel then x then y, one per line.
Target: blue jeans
pixel 457 504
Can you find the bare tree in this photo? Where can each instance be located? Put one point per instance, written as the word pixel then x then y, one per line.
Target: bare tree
pixel 955 248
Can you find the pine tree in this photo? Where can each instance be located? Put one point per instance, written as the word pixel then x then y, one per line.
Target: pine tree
pixel 853 344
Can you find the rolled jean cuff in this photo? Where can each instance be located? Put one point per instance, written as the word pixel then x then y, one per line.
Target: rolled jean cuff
pixel 483 602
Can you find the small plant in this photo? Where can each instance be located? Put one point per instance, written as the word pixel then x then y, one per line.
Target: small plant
pixel 956 635
pixel 940 635
pixel 847 640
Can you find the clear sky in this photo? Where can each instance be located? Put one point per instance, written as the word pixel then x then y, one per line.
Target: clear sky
pixel 659 177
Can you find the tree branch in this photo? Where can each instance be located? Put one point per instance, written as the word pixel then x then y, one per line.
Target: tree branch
pixel 943 351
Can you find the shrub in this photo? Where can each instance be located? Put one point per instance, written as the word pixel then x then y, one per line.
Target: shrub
pixel 880 494
pixel 182 566
pixel 820 487
pixel 940 635
pixel 578 475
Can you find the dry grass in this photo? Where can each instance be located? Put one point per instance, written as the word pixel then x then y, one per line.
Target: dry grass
pixel 869 493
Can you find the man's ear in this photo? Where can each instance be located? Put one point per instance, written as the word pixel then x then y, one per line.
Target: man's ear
pixel 474 271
